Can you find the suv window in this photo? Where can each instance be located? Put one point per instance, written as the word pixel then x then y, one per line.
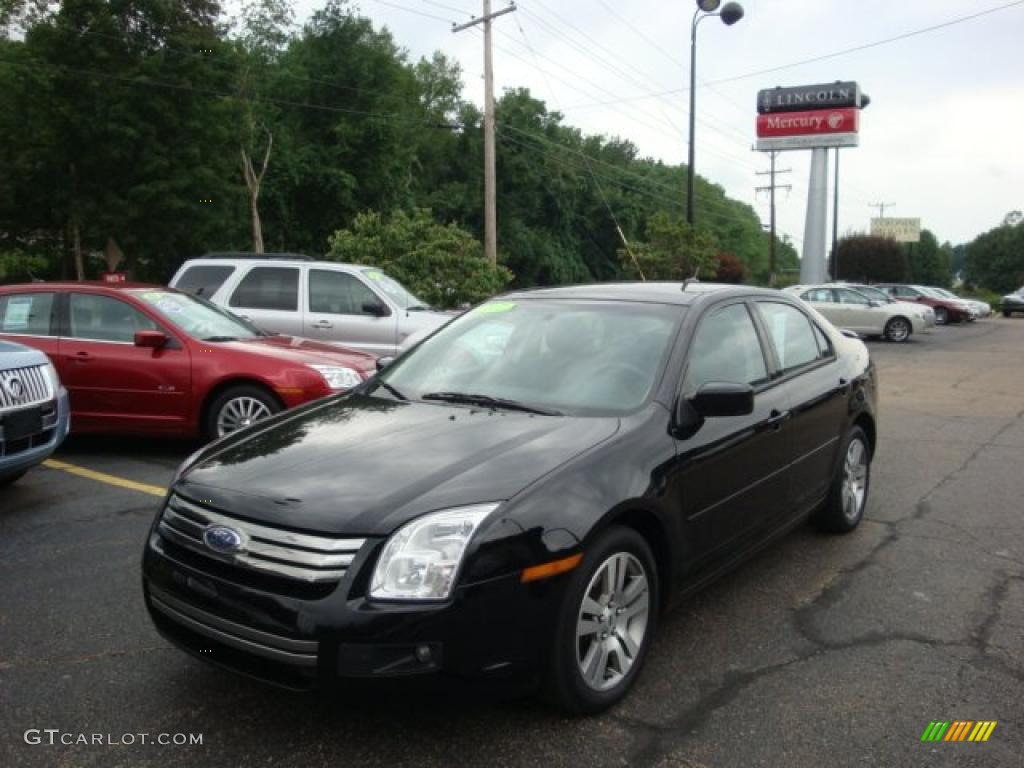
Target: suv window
pixel 847 296
pixel 101 318
pixel 268 288
pixel 203 280
pixel 726 348
pixel 791 334
pixel 28 314
pixel 338 293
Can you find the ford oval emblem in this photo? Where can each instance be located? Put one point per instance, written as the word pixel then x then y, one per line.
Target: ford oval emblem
pixel 223 540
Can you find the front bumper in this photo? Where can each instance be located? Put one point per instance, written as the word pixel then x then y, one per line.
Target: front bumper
pixel 17 456
pixel 305 636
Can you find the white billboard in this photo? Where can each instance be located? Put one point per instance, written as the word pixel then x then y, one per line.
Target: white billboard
pixel 900 230
pixel 782 143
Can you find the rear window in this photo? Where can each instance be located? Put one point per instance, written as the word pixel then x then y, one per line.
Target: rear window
pixel 203 281
pixel 268 288
pixel 26 314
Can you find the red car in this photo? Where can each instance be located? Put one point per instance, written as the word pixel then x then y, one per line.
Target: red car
pixel 146 359
pixel 946 310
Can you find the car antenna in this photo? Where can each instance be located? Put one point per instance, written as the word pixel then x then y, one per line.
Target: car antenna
pixel 691 279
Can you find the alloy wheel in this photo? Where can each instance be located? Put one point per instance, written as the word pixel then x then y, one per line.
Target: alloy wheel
pixel 240 412
pixel 899 330
pixel 612 623
pixel 855 479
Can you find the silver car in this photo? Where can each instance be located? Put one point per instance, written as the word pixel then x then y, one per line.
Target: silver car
pixel 346 304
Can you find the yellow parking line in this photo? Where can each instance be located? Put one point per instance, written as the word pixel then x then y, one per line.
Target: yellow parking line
pixel 103 477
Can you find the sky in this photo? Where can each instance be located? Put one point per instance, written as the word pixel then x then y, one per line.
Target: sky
pixel 939 141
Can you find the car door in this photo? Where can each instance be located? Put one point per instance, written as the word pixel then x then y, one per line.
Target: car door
pixel 857 313
pixel 269 297
pixel 345 310
pixel 729 478
pixel 113 384
pixel 30 318
pixel 808 374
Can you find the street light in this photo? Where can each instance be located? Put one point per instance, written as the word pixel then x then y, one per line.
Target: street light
pixel 730 14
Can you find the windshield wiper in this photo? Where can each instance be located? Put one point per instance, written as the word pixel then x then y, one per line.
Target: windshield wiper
pixel 488 401
pixel 220 338
pixel 392 390
pixel 418 308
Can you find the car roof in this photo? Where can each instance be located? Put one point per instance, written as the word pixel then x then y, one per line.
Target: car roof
pixel 654 292
pixel 269 259
pixel 77 285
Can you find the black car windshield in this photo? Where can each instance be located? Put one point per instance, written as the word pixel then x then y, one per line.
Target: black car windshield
pixel 574 357
pixel 197 317
pixel 394 290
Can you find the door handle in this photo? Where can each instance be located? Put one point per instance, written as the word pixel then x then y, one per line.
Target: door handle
pixel 322 324
pixel 777 418
pixel 82 357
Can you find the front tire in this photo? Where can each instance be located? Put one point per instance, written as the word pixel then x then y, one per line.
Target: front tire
pixel 898 329
pixel 238 407
pixel 844 508
pixel 605 624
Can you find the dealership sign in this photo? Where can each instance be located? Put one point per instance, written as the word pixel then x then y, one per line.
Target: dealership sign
pixel 803 123
pixel 824 96
pixel 900 230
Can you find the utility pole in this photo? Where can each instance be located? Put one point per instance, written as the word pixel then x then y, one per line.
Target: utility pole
pixel 770 189
pixel 835 222
pixel 490 182
pixel 881 208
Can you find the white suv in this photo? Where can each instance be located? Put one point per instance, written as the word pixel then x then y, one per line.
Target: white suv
pixel 345 304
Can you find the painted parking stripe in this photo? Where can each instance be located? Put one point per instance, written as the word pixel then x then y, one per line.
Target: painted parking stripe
pixel 103 477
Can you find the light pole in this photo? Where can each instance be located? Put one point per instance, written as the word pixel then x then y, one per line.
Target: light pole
pixel 730 14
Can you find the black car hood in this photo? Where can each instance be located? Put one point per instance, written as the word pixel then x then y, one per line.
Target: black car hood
pixel 364 466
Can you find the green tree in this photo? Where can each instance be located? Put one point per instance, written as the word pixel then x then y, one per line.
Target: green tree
pixel 671 250
pixel 929 263
pixel 441 263
pixel 995 259
pixel 870 259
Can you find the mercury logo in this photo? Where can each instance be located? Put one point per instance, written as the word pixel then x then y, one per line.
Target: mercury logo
pixel 14 388
pixel 835 120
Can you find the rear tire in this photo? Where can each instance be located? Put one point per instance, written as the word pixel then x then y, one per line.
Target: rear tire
pixel 898 330
pixel 844 508
pixel 238 407
pixel 605 624
pixel 1006 313
pixel 941 315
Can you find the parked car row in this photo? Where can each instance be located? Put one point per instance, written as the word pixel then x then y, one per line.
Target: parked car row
pixel 893 312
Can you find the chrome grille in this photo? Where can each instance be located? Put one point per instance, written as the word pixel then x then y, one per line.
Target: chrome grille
pixel 275 551
pixel 21 387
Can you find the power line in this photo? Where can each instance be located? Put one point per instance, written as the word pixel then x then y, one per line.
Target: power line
pixel 407 9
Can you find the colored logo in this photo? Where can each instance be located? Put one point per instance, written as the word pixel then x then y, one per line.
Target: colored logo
pixel 222 539
pixel 958 730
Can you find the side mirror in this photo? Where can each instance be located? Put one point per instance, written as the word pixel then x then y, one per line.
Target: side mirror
pixel 384 362
pixel 723 398
pixel 150 339
pixel 874 303
pixel 375 308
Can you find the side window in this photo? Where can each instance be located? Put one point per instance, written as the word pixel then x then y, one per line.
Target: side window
pixel 851 297
pixel 28 314
pixel 268 288
pixel 101 318
pixel 791 334
pixel 338 293
pixel 824 343
pixel 203 280
pixel 726 348
pixel 818 296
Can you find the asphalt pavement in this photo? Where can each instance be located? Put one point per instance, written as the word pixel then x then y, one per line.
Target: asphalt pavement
pixel 822 650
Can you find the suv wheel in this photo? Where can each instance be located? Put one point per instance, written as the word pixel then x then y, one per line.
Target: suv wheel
pixel 606 622
pixel 239 407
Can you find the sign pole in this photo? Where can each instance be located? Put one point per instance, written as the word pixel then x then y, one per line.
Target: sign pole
pixel 812 260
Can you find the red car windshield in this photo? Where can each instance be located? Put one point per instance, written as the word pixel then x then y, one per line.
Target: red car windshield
pixel 197 317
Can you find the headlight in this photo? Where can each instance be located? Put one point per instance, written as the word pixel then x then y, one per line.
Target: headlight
pixel 52 378
pixel 421 559
pixel 338 377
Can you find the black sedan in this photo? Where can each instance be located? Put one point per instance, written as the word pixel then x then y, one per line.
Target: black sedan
pixel 523 492
pixel 1012 302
